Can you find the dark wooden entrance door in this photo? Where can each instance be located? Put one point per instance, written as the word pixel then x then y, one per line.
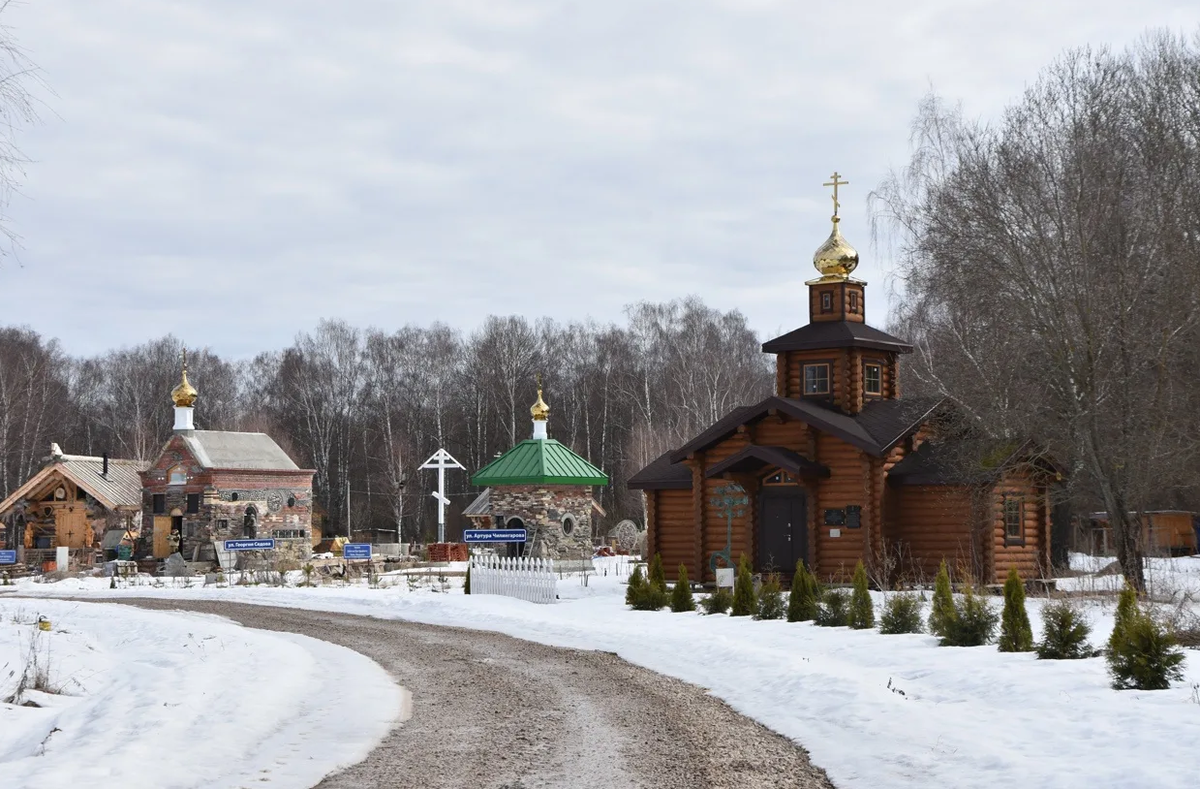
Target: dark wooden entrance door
pixel 782 529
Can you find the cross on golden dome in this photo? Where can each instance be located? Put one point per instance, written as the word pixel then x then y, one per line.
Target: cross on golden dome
pixel 540 411
pixel 835 259
pixel 835 183
pixel 184 395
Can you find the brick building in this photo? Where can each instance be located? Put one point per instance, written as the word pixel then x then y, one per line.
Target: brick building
pixel 212 485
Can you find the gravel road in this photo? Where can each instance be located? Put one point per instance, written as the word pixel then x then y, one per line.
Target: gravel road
pixel 495 712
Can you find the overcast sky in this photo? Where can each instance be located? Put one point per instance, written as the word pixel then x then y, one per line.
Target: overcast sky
pixel 233 171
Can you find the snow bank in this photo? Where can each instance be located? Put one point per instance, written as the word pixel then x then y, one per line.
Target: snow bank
pixel 873 710
pixel 169 701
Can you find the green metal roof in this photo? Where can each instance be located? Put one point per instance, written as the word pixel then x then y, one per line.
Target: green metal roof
pixel 539 462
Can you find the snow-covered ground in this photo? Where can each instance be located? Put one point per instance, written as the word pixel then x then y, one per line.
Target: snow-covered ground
pixel 154 700
pixel 874 710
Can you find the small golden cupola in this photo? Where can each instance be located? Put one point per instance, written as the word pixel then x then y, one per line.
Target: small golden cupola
pixel 540 413
pixel 835 259
pixel 184 395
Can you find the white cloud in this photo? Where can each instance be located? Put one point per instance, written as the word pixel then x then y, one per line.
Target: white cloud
pixel 232 171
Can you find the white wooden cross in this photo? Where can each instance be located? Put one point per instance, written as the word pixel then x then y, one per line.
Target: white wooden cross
pixel 442 460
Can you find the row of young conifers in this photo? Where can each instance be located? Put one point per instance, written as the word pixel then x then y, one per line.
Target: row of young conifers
pixel 1141 653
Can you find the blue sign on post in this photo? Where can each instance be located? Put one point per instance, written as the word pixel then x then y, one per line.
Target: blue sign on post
pixel 356 550
pixel 249 545
pixel 494 535
pixel 8 557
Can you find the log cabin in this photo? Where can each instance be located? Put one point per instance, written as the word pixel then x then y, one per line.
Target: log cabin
pixel 836 466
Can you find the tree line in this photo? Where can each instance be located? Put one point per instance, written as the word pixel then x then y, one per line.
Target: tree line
pixel 1051 266
pixel 364 407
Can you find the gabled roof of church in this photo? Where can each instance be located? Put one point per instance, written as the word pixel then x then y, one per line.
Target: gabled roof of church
pixel 967 461
pixel 662 474
pixel 876 429
pixel 539 461
pixel 229 450
pixel 836 334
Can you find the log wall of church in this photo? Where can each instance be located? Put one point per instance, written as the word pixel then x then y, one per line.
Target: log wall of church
pixel 715 527
pixel 674 528
pixel 1031 556
pixel 849 483
pixel 933 522
pixel 846 373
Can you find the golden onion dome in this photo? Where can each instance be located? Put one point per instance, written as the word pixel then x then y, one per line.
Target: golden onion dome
pixel 184 395
pixel 539 410
pixel 835 259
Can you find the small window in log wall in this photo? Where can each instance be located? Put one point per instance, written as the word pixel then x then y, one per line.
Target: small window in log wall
pixel 826 301
pixel 853 302
pixel 780 478
pixel 1014 521
pixel 873 379
pixel 816 379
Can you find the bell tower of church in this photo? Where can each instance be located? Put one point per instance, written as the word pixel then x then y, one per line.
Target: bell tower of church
pixel 837 359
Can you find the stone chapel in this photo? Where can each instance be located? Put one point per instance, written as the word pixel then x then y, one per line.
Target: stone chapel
pixel 836 466
pixel 540 485
pixel 208 486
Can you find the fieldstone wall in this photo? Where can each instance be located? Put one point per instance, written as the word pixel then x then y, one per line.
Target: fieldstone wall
pixel 548 513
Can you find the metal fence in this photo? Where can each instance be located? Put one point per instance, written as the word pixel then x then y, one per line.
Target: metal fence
pixel 520 577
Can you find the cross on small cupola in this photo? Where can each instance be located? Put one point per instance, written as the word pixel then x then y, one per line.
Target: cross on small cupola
pixel 835 259
pixel 184 397
pixel 835 183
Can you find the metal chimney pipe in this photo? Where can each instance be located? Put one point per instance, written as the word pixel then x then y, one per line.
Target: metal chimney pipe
pixel 104 473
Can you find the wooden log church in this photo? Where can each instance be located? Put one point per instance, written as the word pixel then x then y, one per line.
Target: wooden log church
pixel 836 466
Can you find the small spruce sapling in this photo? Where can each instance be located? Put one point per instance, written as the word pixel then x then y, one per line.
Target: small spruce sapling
pixel 802 600
pixel 718 602
pixel 834 609
pixel 941 616
pixel 745 602
pixel 467 581
pixel 862 610
pixel 770 599
pixel 681 595
pixel 1142 652
pixel 974 622
pixel 637 582
pixel 1016 634
pixel 657 577
pixel 901 614
pixel 1064 633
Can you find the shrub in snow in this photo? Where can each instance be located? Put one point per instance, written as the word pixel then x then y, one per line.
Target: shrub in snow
pixel 681 595
pixel 901 614
pixel 974 622
pixel 770 599
pixel 1142 652
pixel 862 610
pixel 834 608
pixel 802 601
pixel 1016 634
pixel 745 603
pixel 637 582
pixel 657 577
pixel 718 602
pixel 942 613
pixel 1064 633
pixel 467 580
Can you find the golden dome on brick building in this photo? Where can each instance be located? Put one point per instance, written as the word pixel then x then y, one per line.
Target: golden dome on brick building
pixel 184 395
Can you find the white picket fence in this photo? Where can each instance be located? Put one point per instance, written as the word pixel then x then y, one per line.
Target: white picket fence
pixel 520 577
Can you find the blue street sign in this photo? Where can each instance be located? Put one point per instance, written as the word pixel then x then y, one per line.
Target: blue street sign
pixel 8 557
pixel 494 535
pixel 356 550
pixel 249 545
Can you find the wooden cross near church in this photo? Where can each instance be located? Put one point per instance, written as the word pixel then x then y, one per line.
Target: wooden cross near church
pixel 835 183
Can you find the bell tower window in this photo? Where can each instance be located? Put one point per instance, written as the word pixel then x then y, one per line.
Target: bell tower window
pixel 826 301
pixel 873 379
pixel 816 379
pixel 853 302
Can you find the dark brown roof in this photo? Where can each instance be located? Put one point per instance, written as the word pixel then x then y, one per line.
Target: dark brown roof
pixel 755 457
pixel 836 334
pixel 879 427
pixel 662 474
pixel 966 461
